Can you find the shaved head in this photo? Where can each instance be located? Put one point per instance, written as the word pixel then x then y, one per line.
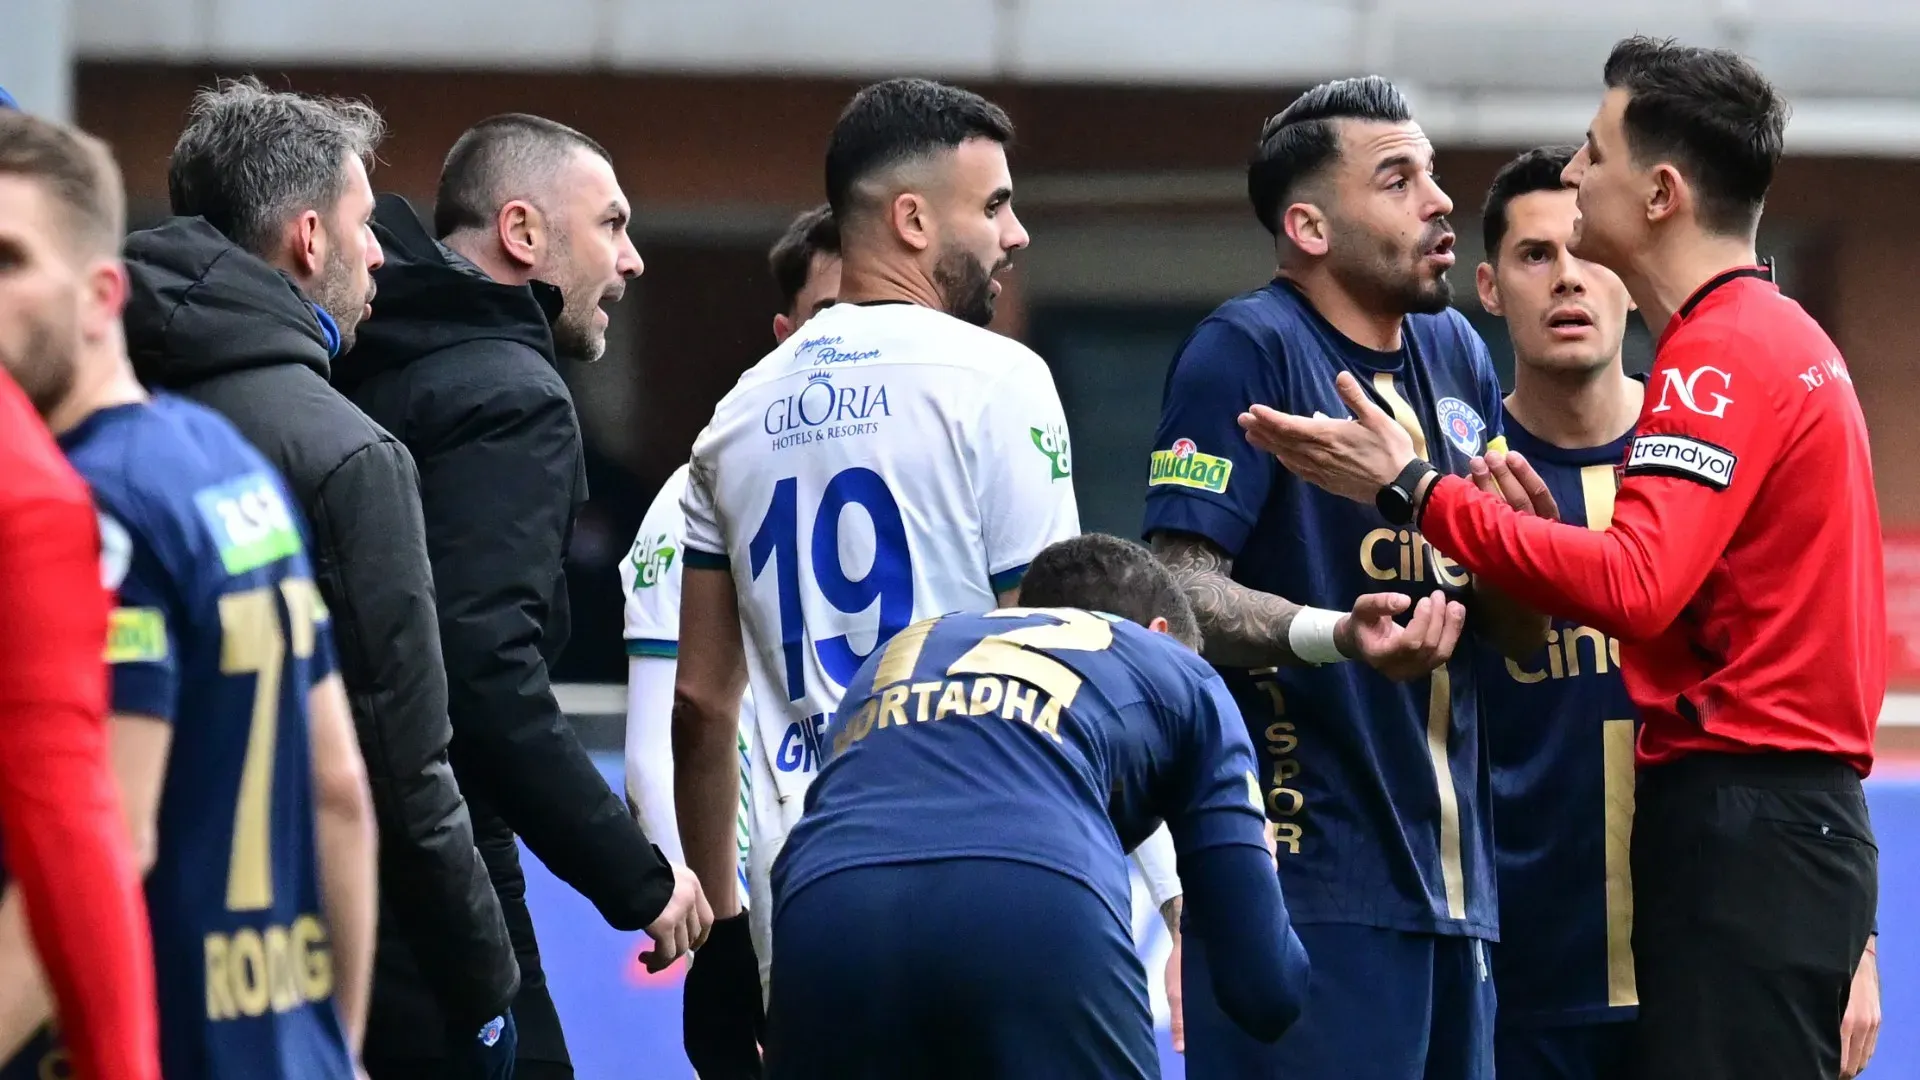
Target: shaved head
pixel 892 135
pixel 500 159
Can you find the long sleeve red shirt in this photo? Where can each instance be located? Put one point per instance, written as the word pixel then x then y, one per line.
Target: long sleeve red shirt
pixel 1742 573
pixel 65 840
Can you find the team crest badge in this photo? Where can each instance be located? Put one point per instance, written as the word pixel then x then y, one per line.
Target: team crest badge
pixel 1462 425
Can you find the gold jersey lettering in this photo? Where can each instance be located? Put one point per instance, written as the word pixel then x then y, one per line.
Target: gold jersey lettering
pixel 1286 834
pixel 890 711
pixel 1048 723
pixel 862 722
pixel 1403 555
pixel 1020 703
pixel 1281 739
pixel 1571 652
pixel 987 692
pixel 953 700
pixel 922 692
pixel 278 968
pixel 247 971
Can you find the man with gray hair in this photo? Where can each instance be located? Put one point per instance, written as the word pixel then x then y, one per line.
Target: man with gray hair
pixel 242 303
pixel 529 239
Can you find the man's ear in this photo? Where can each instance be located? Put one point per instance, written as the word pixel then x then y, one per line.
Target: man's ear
pixel 1158 624
pixel 782 328
pixel 106 284
pixel 1305 226
pixel 1668 193
pixel 911 219
pixel 1488 288
pixel 521 230
pixel 307 245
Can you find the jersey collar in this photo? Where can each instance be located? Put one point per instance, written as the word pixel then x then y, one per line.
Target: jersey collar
pixel 1764 272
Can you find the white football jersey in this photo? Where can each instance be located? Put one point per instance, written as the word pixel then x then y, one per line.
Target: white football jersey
pixel 886 464
pixel 650 582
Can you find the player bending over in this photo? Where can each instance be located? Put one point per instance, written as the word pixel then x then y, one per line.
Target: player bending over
pixel 955 901
pixel 895 461
pixel 231 737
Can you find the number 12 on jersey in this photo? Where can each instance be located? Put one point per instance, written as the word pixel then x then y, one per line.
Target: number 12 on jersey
pixel 889 580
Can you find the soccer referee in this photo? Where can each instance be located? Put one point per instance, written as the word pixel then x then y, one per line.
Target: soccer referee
pixel 1742 575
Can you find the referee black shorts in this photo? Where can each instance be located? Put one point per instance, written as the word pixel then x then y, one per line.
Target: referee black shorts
pixel 1755 881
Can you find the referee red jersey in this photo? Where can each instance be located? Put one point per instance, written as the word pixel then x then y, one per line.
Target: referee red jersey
pixel 64 838
pixel 1742 573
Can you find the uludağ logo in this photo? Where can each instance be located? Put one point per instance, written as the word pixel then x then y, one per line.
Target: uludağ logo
pixel 1183 465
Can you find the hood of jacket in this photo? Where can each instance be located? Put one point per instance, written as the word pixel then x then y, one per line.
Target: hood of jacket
pixel 428 298
pixel 200 306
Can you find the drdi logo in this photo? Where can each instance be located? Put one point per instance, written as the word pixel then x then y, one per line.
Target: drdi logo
pixel 651 557
pixel 1052 441
pixel 1183 465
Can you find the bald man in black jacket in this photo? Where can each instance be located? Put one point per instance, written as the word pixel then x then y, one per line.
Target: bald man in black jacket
pixel 460 362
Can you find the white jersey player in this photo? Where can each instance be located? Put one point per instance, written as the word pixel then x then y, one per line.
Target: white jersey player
pixel 894 461
pixel 806 267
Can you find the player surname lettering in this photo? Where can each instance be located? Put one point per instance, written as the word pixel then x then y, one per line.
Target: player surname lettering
pixel 250 972
pixel 904 704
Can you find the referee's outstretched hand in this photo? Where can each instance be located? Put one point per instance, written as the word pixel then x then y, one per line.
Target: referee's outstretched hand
pixel 1403 653
pixel 1511 476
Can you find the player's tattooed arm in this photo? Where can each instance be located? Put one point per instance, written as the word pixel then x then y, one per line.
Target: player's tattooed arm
pixel 1242 627
pixel 1246 628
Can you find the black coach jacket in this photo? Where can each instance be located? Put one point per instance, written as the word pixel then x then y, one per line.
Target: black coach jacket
pixel 461 368
pixel 210 322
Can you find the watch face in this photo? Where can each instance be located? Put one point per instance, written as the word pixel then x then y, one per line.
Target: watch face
pixel 1395 504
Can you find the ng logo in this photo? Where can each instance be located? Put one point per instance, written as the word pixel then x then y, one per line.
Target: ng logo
pixel 1688 387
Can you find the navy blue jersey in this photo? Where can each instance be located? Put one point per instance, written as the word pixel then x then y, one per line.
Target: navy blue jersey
pixel 1560 731
pixel 1053 737
pixel 1378 787
pixel 219 631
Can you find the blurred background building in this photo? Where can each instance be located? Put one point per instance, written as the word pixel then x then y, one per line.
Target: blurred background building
pixel 1135 122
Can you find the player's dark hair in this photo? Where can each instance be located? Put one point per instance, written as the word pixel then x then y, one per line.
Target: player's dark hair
pixel 1538 169
pixel 1105 573
pixel 1712 115
pixel 1301 140
pixel 899 120
pixel 791 260
pixel 502 158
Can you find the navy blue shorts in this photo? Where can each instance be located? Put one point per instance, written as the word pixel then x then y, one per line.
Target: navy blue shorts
pixel 1382 1005
pixel 961 968
pixel 1569 1052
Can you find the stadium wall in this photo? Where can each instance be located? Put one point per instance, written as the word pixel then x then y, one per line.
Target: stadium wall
pixel 717 163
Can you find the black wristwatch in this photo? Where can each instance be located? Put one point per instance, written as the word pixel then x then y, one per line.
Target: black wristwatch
pixel 1395 501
